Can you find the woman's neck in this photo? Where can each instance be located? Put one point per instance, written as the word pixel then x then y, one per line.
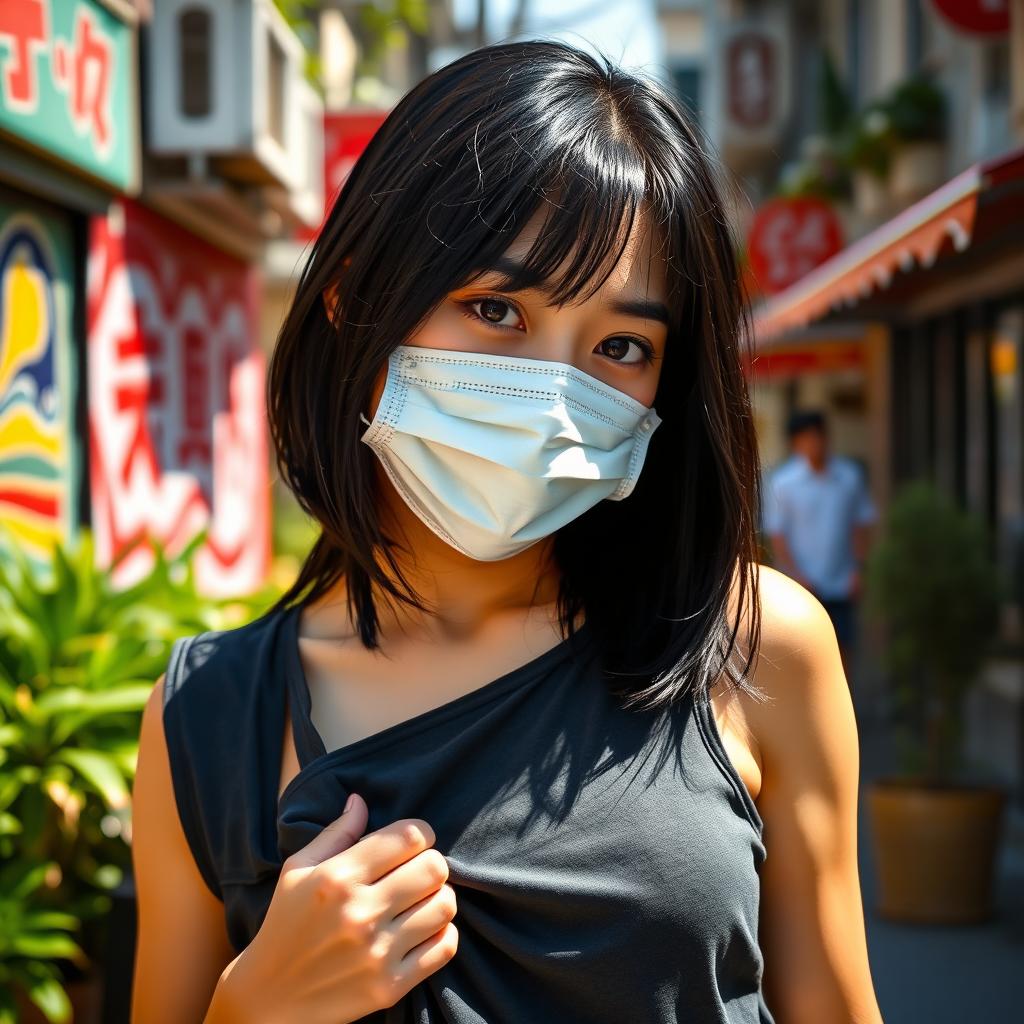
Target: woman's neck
pixel 462 596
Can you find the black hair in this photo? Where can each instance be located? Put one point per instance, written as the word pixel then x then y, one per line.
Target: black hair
pixel 805 419
pixel 444 186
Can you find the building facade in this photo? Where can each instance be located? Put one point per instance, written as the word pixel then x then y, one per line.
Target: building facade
pixel 131 378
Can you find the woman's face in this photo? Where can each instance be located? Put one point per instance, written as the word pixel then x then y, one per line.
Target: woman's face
pixel 617 335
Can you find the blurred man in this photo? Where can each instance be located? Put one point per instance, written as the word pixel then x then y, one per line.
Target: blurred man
pixel 817 514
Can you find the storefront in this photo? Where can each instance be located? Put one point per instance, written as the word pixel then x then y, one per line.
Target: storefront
pixel 131 376
pixel 69 143
pixel 940 290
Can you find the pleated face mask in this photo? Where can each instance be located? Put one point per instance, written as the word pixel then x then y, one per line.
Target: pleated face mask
pixel 495 452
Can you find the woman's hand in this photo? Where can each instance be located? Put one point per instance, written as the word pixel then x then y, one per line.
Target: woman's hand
pixel 353 925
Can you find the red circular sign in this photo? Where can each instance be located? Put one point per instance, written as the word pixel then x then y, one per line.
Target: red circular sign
pixel 989 17
pixel 790 237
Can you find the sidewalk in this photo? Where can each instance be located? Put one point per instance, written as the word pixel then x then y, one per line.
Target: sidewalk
pixel 942 975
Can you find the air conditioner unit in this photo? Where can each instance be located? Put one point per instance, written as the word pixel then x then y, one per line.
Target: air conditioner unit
pixel 225 89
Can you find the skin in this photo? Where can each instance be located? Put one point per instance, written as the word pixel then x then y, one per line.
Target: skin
pixel 812 443
pixel 797 752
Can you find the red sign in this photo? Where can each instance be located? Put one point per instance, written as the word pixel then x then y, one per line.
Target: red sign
pixel 751 80
pixel 986 17
pixel 789 238
pixel 346 135
pixel 176 415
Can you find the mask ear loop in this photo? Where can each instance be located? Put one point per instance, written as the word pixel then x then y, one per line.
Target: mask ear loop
pixel 364 419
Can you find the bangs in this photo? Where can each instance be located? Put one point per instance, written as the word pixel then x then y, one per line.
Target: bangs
pixel 594 187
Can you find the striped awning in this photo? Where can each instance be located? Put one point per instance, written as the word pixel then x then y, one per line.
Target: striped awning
pixel 948 220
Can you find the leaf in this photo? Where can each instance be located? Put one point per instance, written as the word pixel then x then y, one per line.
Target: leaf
pixel 49 995
pixel 84 706
pixel 50 919
pixel 11 785
pixel 20 879
pixel 9 824
pixel 49 945
pixel 100 771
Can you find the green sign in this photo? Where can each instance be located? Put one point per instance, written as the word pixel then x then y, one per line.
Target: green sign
pixel 68 85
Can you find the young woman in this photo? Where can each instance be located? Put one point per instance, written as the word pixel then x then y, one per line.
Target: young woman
pixel 506 752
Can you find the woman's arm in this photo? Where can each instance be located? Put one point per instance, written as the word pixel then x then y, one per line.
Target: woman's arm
pixel 182 945
pixel 812 918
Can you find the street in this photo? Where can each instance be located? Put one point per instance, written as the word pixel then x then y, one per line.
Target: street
pixel 942 975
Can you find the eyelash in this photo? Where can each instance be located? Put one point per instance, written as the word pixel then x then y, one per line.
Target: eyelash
pixel 645 346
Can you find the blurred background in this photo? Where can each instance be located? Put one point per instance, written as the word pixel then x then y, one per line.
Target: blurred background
pixel 163 166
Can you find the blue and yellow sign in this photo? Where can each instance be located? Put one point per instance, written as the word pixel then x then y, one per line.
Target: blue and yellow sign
pixel 38 467
pixel 68 85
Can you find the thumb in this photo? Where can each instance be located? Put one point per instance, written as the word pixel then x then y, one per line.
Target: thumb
pixel 336 836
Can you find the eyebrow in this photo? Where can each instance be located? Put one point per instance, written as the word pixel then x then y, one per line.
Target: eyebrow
pixel 642 309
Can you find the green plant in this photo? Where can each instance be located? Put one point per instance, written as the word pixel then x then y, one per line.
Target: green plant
pixel 932 582
pixel 820 173
pixel 32 938
pixel 867 143
pixel 917 110
pixel 78 660
pixel 836 105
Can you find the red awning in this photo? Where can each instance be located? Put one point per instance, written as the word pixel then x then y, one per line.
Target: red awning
pixel 947 220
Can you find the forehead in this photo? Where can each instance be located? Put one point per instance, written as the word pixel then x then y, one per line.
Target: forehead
pixel 641 269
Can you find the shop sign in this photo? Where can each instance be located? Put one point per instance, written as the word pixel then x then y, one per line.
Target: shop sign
pixel 346 135
pixel 176 409
pixel 68 85
pixel 39 464
pixel 788 238
pixel 752 74
pixel 985 17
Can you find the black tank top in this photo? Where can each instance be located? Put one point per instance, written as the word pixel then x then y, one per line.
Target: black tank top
pixel 605 861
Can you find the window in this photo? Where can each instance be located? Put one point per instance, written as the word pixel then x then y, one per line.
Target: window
pixel 194 42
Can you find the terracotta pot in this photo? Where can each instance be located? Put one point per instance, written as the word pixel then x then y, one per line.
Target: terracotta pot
pixel 917 169
pixel 86 995
pixel 870 194
pixel 935 850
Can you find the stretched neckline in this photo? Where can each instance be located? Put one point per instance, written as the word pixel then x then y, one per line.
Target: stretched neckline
pixel 310 750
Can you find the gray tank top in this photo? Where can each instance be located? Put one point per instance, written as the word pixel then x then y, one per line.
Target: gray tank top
pixel 605 861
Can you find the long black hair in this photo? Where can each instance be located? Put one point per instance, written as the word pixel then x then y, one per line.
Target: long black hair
pixel 454 172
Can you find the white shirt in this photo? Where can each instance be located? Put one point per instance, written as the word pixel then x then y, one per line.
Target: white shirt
pixel 816 513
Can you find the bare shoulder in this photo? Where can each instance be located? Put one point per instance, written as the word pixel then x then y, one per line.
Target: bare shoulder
pixel 797 635
pixel 797 670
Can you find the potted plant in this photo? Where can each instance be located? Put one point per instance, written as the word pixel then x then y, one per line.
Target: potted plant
pixel 867 148
pixel 932 583
pixel 917 116
pixel 78 660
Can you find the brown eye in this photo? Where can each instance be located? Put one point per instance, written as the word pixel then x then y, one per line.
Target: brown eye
pixel 493 310
pixel 619 350
pixel 615 348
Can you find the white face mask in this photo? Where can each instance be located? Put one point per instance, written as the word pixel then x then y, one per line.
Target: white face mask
pixel 495 453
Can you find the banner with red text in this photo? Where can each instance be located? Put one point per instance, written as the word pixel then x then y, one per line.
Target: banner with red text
pixel 176 409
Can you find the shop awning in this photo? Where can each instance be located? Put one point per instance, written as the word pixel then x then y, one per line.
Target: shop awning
pixel 948 220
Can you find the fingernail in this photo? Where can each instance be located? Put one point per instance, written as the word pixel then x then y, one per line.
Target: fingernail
pixel 348 802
